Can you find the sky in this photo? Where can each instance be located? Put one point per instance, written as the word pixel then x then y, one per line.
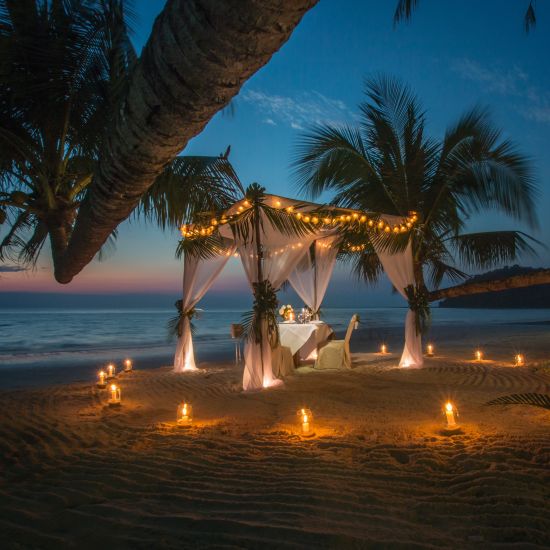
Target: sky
pixel 454 55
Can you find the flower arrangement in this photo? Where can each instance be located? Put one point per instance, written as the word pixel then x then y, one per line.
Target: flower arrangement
pixel 286 311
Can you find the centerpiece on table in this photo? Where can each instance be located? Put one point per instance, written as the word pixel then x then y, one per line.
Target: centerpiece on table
pixel 287 313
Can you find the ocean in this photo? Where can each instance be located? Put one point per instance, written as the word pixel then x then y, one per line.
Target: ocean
pixel 39 346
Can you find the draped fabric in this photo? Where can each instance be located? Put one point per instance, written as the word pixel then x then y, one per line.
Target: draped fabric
pixel 311 276
pixel 399 268
pixel 198 276
pixel 278 260
pixel 280 254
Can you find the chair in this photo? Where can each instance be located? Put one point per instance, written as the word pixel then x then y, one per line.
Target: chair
pixel 336 354
pixel 237 331
pixel 282 362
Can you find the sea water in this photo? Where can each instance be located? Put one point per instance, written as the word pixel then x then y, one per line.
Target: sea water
pixel 51 345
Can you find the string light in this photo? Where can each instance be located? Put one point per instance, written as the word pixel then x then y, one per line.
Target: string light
pixel 314 218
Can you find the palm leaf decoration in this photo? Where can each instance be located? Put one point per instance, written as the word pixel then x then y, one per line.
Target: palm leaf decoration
pixel 388 163
pixel 533 399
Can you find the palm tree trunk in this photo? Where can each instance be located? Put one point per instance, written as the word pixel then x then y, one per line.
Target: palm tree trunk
pixel 518 281
pixel 198 56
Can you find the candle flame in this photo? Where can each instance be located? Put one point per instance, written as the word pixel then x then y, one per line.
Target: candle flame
pixel 449 407
pixel 305 420
pixel 113 387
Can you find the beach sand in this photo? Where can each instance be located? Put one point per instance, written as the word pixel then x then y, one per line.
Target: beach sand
pixel 379 472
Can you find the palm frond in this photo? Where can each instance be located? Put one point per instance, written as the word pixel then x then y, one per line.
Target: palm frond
pixel 530 18
pixel 492 248
pixel 533 399
pixel 187 186
pixel 403 10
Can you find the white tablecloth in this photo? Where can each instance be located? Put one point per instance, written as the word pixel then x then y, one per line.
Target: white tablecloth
pixel 304 338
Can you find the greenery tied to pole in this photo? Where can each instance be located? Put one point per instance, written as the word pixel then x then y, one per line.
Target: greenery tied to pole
pixel 418 302
pixel 263 310
pixel 175 325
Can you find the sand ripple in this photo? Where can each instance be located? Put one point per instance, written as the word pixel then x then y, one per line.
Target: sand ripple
pixel 378 473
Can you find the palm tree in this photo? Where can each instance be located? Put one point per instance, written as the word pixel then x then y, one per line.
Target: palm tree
pixel 388 164
pixel 64 69
pixel 196 60
pixel 76 57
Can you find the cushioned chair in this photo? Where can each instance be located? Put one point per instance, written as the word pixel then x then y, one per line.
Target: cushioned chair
pixel 336 354
pixel 282 362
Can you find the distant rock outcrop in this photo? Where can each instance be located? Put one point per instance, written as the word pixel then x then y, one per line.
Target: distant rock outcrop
pixel 537 296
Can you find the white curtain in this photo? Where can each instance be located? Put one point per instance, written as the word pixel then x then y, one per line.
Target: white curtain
pixel 198 276
pixel 399 269
pixel 281 253
pixel 310 278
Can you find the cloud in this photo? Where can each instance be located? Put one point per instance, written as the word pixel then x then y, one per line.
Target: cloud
pixel 532 102
pixel 11 268
pixel 299 112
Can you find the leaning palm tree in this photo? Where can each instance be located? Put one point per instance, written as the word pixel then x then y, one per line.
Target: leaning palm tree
pixel 76 57
pixel 388 164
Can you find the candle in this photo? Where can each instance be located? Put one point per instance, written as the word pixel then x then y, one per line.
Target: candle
pixel 185 414
pixel 128 365
pixel 450 415
pixel 305 419
pixel 101 381
pixel 520 360
pixel 111 370
pixel 305 424
pixel 115 395
pixel 479 355
pixel 383 349
pixel 430 350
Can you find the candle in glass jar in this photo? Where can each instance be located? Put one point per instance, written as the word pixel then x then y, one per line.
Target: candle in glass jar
pixel 101 381
pixel 127 365
pixel 111 370
pixel 383 349
pixel 479 355
pixel 520 360
pixel 185 414
pixel 115 395
pixel 450 415
pixel 430 350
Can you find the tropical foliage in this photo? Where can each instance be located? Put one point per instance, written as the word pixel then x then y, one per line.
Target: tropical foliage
pixel 76 58
pixel 405 9
pixel 388 164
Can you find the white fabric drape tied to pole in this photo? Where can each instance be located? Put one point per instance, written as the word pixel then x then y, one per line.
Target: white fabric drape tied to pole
pixel 280 254
pixel 310 278
pixel 399 269
pixel 198 276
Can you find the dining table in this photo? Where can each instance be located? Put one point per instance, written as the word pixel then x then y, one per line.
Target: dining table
pixel 304 339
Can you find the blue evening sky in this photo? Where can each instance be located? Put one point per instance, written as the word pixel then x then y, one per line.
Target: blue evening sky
pixel 453 54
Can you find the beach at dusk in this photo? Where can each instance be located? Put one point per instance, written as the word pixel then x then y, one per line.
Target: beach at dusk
pixel 274 274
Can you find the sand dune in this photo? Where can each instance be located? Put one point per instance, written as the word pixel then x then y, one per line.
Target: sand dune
pixel 76 473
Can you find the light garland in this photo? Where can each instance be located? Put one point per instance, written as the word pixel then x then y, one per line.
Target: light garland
pixel 322 219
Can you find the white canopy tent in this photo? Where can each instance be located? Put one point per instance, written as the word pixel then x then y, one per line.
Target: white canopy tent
pixel 274 254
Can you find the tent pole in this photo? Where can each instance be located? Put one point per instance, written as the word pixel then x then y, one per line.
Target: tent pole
pixel 259 254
